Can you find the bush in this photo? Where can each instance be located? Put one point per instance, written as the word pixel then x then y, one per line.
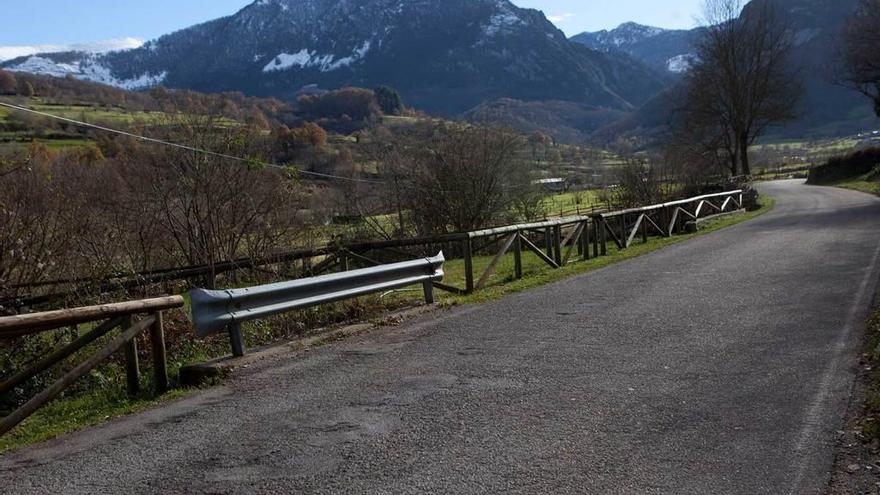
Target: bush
pixel 355 103
pixel 389 100
pixel 844 167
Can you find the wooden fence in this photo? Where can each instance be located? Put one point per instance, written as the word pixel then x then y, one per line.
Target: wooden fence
pixel 110 316
pixel 556 242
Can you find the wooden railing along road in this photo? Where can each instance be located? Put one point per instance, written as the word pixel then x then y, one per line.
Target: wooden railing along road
pixel 110 316
pixel 554 241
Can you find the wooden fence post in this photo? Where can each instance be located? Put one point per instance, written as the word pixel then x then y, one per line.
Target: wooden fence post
pixel 160 363
pixel 557 244
pixel 548 242
pixel 603 236
pixel 132 369
pixel 585 240
pixel 595 223
pixel 517 255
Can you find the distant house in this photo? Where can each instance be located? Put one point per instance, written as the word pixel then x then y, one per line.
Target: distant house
pixel 556 184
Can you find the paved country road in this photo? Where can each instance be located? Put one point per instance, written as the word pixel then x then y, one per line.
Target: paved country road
pixel 719 365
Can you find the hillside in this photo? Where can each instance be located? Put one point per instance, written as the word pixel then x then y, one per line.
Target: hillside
pixel 445 56
pixel 566 121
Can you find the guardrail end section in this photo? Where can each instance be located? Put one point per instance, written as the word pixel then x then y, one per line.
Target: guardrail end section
pixel 209 311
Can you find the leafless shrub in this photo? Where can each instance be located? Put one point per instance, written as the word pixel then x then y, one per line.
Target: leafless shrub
pixel 641 181
pixel 440 178
pixel 211 208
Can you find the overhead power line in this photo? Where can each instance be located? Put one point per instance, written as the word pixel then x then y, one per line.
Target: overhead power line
pixel 183 146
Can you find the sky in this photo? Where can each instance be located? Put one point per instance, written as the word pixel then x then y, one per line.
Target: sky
pixel 108 24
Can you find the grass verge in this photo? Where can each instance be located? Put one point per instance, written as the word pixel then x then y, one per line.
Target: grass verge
pixel 69 414
pixel 75 413
pixel 866 186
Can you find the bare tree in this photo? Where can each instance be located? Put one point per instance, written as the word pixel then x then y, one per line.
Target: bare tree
pixel 740 84
pixel 861 54
pixel 213 209
pixel 440 178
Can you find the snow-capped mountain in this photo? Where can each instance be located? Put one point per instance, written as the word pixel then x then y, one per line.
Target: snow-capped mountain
pixel 627 34
pixel 662 49
pixel 443 55
pixel 8 52
pixel 815 26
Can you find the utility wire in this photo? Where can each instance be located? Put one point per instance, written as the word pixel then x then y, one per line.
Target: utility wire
pixel 183 146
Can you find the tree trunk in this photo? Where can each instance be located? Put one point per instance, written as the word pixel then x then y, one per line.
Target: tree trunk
pixel 734 161
pixel 745 168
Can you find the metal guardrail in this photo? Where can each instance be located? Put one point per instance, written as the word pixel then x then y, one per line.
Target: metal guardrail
pixel 218 310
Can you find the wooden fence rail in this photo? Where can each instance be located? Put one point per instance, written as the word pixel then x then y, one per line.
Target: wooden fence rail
pixel 111 316
pixel 559 239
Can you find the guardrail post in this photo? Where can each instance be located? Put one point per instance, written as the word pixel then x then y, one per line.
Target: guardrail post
pixel 468 266
pixel 160 363
pixel 623 235
pixel 603 237
pixel 595 223
pixel 429 292
pixel 236 339
pixel 645 229
pixel 132 369
pixel 517 255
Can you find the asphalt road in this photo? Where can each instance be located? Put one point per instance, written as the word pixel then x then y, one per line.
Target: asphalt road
pixel 719 365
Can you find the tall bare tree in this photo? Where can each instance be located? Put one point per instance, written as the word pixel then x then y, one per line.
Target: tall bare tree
pixel 861 54
pixel 741 81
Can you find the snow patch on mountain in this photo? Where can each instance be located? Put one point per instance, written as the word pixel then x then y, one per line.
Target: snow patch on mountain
pixel 45 66
pixel 500 22
pixel 310 58
pixel 88 70
pixel 680 63
pixel 99 73
pixel 103 46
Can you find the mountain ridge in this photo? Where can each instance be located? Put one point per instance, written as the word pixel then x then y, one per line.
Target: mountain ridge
pixel 444 56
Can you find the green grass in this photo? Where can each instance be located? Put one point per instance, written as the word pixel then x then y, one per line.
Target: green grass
pixel 865 186
pixel 91 113
pixel 569 202
pixel 75 413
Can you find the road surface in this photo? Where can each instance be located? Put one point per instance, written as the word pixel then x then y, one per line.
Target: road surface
pixel 719 365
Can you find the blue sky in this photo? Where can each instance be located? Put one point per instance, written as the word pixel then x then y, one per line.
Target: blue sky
pixel 66 22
